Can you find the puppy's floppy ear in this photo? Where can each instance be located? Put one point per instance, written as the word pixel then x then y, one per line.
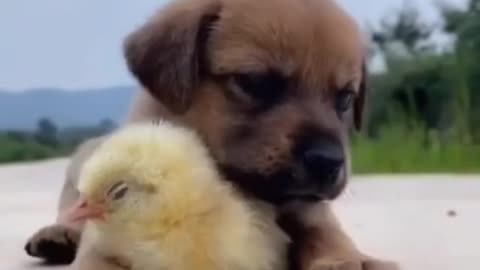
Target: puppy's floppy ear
pixel 359 104
pixel 166 54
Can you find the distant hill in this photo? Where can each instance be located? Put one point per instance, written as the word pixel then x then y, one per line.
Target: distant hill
pixel 22 110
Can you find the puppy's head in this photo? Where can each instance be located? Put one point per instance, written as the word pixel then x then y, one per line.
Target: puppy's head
pixel 270 85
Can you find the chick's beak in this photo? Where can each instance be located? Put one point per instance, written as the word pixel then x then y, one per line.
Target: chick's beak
pixel 83 210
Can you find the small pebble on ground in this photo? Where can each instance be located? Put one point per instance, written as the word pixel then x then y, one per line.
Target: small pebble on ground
pixel 452 213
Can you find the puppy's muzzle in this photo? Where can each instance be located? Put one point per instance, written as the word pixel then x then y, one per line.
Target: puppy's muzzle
pixel 323 162
pixel 319 170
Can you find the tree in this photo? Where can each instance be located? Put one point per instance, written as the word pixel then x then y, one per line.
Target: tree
pixel 414 89
pixel 107 125
pixel 46 132
pixel 464 25
pixel 406 29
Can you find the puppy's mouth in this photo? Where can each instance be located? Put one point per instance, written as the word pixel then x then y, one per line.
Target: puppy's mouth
pixel 304 195
pixel 280 187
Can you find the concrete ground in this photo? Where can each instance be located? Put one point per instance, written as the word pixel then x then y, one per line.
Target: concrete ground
pixel 422 222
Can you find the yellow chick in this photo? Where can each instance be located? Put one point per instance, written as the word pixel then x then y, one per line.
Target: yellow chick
pixel 152 196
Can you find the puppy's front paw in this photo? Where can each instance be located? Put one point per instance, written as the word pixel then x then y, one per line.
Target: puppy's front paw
pixel 373 264
pixel 369 264
pixel 56 244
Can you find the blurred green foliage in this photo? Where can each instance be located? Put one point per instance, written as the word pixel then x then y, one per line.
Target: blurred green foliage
pixel 423 110
pixel 47 141
pixel 13 150
pixel 401 150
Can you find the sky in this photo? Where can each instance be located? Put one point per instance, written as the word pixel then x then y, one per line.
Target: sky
pixel 74 44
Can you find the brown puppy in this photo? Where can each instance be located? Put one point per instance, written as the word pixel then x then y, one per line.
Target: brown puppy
pixel 271 86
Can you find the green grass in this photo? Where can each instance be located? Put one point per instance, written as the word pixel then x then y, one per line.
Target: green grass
pixel 18 146
pixel 398 151
pixel 12 150
pixel 394 151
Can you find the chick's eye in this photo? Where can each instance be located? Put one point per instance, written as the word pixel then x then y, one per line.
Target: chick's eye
pixel 262 86
pixel 117 191
pixel 343 100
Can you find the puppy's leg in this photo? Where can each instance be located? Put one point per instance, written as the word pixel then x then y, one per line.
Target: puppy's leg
pixel 58 243
pixel 320 242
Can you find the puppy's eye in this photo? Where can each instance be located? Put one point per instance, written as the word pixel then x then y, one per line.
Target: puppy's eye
pixel 118 191
pixel 343 100
pixel 265 87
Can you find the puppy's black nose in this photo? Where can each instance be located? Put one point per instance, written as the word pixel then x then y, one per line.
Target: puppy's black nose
pixel 323 161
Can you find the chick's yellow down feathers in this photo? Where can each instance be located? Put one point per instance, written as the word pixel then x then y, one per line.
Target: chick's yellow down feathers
pixel 164 206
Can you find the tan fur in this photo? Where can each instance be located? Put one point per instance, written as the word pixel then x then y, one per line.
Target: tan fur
pixel 323 61
pixel 312 42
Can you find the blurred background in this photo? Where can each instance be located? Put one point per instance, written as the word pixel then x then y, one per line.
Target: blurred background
pixel 63 80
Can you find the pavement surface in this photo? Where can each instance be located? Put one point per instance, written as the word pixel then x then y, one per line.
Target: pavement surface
pixel 424 222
